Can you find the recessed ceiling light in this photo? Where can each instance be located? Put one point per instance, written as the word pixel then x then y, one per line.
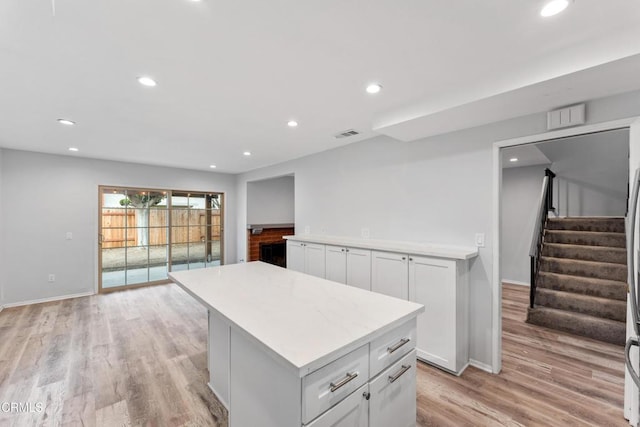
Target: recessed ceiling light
pixel 73 149
pixel 212 166
pixel 147 81
pixel 513 159
pixel 554 7
pixel 247 153
pixel 66 122
pixel 292 123
pixel 374 88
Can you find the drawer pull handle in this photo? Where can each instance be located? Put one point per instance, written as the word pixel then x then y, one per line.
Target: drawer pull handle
pixel 393 378
pixel 402 342
pixel 343 381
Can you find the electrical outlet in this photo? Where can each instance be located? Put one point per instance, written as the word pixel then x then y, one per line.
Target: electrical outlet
pixel 364 233
pixel 307 229
pixel 52 278
pixel 480 240
pixel 323 230
pixel 68 236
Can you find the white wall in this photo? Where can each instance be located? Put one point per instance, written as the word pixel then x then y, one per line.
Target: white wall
pixel 2 238
pixel 271 201
pixel 521 189
pixel 591 173
pixel 46 195
pixel 436 189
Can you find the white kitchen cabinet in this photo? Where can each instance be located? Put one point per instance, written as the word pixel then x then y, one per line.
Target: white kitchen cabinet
pixel 350 266
pixel 351 412
pixel 296 256
pixel 389 274
pixel 336 263
pixel 443 330
pixel 433 275
pixel 359 268
pixel 393 395
pixel 314 259
pixel 306 258
pixel 329 385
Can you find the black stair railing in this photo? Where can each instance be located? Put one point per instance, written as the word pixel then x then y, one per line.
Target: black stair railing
pixel 545 205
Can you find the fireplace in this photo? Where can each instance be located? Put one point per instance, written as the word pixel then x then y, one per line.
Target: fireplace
pixel 274 253
pixel 266 243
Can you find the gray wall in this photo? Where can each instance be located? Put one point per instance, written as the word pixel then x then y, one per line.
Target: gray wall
pixel 591 174
pixel 521 189
pixel 271 201
pixel 437 189
pixel 2 238
pixel 46 195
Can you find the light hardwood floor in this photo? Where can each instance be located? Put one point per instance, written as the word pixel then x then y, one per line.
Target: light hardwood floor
pixel 548 378
pixel 138 357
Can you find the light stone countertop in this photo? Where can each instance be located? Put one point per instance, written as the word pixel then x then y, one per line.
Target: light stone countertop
pixel 409 248
pixel 304 321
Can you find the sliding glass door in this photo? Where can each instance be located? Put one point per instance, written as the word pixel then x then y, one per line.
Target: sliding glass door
pixel 146 233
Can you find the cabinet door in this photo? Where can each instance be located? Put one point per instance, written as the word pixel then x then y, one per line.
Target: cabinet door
pixel 390 274
pixel 393 395
pixel 314 259
pixel 295 256
pixel 359 268
pixel 336 259
pixel 351 412
pixel 432 282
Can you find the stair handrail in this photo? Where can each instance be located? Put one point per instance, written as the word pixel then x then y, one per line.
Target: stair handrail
pixel 545 204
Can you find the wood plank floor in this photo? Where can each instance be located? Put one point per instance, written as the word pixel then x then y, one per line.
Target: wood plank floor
pixel 548 378
pixel 138 358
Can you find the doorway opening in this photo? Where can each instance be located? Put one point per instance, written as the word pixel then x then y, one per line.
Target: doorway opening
pixel 632 124
pixel 146 233
pixel 270 217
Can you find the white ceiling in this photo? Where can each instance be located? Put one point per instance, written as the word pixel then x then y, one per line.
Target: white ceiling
pixel 232 73
pixel 527 155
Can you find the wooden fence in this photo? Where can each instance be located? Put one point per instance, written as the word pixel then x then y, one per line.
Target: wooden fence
pixel 186 226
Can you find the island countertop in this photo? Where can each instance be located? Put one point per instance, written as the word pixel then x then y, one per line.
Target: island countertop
pixel 303 321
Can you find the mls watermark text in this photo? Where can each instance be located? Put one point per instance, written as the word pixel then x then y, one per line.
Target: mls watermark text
pixel 21 407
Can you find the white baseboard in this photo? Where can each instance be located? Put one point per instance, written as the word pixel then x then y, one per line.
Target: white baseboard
pixel 50 299
pixel 482 366
pixel 516 282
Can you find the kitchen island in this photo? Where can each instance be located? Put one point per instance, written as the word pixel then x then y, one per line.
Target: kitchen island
pixel 289 349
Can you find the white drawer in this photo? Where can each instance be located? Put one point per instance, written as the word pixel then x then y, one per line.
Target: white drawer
pixel 391 346
pixel 327 386
pixel 351 412
pixel 393 395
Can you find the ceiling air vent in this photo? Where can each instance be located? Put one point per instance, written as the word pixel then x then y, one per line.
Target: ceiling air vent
pixel 346 134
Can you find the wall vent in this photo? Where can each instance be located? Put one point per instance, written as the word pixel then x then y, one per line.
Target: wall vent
pixel 566 117
pixel 346 134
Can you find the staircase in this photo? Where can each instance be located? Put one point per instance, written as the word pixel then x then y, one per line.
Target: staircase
pixel 581 284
